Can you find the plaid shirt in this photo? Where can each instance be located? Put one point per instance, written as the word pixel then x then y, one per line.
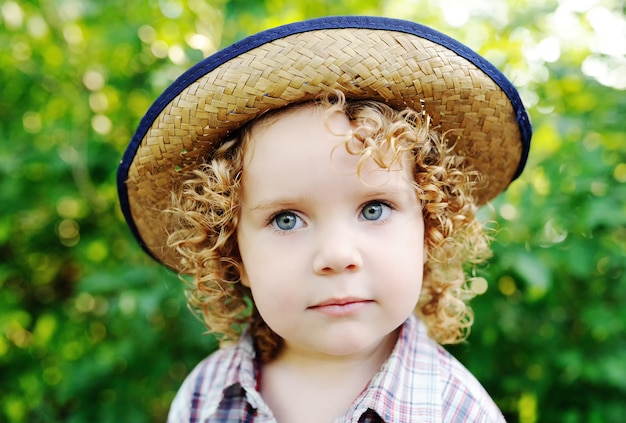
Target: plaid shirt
pixel 419 382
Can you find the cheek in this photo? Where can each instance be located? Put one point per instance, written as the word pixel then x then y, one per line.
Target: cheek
pixel 277 305
pixel 403 291
pixel 407 272
pixel 268 284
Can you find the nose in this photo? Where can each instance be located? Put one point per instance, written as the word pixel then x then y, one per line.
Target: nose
pixel 337 251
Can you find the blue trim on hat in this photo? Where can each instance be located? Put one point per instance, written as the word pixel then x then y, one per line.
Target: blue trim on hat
pixel 332 22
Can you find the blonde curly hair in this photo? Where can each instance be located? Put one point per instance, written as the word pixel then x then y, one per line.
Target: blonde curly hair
pixel 205 212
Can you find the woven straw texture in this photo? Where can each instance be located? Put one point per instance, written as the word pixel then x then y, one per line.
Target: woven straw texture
pixel 397 68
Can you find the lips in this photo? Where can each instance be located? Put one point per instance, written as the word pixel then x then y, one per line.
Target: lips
pixel 339 302
pixel 341 306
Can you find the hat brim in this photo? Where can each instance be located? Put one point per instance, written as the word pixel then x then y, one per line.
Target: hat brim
pixel 394 61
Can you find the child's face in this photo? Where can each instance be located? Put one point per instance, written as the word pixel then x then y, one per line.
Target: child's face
pixel 334 260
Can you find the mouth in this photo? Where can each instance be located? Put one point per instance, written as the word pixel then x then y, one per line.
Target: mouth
pixel 341 306
pixel 339 302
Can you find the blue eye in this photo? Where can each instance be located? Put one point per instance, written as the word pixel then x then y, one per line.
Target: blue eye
pixel 375 210
pixel 286 221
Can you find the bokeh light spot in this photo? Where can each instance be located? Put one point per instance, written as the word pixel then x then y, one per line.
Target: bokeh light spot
pixel 101 124
pixel 32 122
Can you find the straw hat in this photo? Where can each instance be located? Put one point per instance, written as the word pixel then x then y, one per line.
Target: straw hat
pixel 394 61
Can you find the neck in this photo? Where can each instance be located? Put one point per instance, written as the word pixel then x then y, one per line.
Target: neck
pixel 315 366
pixel 324 385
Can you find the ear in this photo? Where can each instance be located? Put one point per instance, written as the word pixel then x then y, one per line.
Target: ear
pixel 244 277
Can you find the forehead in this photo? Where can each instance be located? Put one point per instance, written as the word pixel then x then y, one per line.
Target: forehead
pixel 305 114
pixel 310 141
pixel 298 129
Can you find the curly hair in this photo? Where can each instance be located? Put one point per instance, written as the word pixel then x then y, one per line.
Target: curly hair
pixel 205 212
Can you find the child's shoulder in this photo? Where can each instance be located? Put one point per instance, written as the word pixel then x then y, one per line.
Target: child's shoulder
pixel 429 367
pixel 217 369
pixel 229 368
pixel 464 398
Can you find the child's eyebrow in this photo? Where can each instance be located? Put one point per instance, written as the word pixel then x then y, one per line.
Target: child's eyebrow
pixel 398 195
pixel 277 203
pixel 393 192
pixel 362 195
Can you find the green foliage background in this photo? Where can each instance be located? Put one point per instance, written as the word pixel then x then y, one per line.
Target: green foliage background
pixel 91 330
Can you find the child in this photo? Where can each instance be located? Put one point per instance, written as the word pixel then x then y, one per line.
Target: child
pixel 320 182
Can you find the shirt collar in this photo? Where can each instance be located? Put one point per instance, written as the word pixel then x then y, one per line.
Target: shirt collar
pixel 245 373
pixel 405 387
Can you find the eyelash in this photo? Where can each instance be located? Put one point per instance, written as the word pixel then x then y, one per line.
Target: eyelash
pixel 271 221
pixel 382 202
